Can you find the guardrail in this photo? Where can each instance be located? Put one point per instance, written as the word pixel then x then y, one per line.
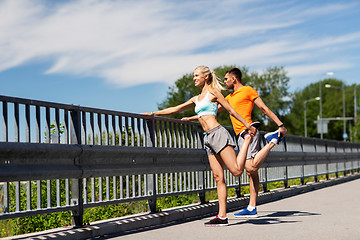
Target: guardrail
pixel 85 157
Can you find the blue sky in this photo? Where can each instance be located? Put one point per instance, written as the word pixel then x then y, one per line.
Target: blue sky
pixel 123 55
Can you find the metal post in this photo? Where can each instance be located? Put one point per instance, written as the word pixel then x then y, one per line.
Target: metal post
pixel 321 126
pixel 202 185
pixel 343 90
pixel 355 105
pixel 76 184
pixel 305 124
pixel 151 178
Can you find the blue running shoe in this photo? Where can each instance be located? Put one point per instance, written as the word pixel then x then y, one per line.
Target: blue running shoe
pixel 273 137
pixel 246 214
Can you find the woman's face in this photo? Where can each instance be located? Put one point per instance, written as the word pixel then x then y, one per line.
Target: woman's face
pixel 199 78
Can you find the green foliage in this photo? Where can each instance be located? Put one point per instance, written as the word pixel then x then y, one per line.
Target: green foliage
pixel 332 106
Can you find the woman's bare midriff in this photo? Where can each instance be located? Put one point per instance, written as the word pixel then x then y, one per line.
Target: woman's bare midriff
pixel 208 122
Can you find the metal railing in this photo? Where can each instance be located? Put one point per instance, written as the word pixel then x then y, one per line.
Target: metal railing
pixel 60 157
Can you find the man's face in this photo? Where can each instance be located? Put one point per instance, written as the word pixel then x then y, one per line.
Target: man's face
pixel 229 81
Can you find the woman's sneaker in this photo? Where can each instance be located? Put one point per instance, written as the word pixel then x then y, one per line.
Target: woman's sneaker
pixel 246 213
pixel 217 222
pixel 273 137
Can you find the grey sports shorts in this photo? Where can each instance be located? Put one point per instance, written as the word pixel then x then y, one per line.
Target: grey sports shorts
pixel 254 146
pixel 217 139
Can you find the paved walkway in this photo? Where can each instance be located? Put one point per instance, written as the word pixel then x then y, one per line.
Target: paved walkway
pixel 328 213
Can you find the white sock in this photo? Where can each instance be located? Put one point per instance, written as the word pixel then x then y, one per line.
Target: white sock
pixel 250 208
pixel 222 218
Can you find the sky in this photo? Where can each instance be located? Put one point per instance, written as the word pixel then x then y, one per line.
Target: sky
pixel 123 55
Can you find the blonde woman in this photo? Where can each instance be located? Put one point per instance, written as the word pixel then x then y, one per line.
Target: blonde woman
pixel 218 142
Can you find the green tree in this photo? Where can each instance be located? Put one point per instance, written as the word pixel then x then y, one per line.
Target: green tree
pixel 332 107
pixel 272 86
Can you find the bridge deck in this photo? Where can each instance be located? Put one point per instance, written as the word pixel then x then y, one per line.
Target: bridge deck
pixel 328 213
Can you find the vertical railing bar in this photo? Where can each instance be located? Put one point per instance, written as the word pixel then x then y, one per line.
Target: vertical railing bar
pixel 176 182
pixel 139 186
pixel 38 194
pixel 120 131
pixel 171 139
pixel 127 186
pixel 48 193
pixel 27 123
pixel 138 125
pixel 133 180
pixel 92 129
pixel 185 179
pixel 28 195
pixel 58 193
pixel 180 182
pixel 66 130
pixel 85 192
pixel 107 180
pixel 121 182
pixel 183 132
pixel 106 129
pixel 93 191
pixel 67 192
pixel 38 124
pixel 171 182
pixel 100 189
pixel 160 124
pixel 6 201
pixel 178 134
pixel 165 132
pixel 144 135
pixel 17 123
pixel 114 183
pixel 161 183
pixel 5 122
pixel 57 122
pixel 113 138
pixel 17 196
pixel 99 123
pixel 166 183
pixel 191 180
pixel 47 125
pixel 132 131
pixel 126 131
pixel 84 129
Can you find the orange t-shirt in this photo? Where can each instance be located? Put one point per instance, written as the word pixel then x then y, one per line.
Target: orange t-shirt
pixel 242 101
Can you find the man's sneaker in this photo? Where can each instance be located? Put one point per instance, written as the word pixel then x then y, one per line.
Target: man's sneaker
pixel 217 222
pixel 255 125
pixel 246 213
pixel 244 132
pixel 273 137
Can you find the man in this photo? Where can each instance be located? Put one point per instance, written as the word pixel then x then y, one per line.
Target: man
pixel 242 100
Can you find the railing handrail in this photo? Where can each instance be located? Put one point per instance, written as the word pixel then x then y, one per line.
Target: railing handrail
pixel 150 151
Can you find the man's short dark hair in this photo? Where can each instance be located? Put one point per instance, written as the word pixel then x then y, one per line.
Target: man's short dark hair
pixel 236 73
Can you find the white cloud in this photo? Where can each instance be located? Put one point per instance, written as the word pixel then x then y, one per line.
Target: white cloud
pixel 129 43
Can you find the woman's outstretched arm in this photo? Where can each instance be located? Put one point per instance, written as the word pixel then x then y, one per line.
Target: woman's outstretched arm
pixel 220 98
pixel 179 108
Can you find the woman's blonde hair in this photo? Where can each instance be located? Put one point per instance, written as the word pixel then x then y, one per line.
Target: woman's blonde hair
pixel 213 80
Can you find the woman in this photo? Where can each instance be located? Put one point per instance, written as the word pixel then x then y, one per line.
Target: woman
pixel 218 142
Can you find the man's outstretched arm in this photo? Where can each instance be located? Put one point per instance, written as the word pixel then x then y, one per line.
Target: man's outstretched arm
pixel 282 129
